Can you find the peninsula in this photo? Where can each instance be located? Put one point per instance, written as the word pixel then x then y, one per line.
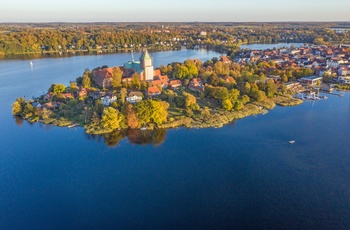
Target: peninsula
pixel 193 94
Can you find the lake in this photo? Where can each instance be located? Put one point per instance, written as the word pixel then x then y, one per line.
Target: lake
pixel 244 175
pixel 269 46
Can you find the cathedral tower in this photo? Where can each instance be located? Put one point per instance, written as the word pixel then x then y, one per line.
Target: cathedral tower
pixel 146 63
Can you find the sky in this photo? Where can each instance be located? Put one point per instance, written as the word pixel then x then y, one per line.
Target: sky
pixel 174 10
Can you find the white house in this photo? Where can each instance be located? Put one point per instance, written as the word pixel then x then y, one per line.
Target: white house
pixel 134 97
pixel 107 100
pixel 312 80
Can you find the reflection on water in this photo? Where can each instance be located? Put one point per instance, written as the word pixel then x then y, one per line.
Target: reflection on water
pixel 155 137
pixel 19 121
pixel 145 137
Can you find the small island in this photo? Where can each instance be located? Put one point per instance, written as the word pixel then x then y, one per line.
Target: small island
pixel 192 94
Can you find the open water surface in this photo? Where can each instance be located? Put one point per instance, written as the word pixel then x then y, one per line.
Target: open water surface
pixel 244 175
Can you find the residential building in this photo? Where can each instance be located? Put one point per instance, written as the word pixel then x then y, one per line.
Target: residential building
pixel 312 80
pixel 153 91
pixel 103 77
pixel 134 97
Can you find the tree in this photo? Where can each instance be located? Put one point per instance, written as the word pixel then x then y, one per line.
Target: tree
pixel 238 105
pixel 233 94
pixel 73 87
pixel 46 113
pixel 258 95
pixel 319 41
pixel 86 82
pixel 213 79
pixel 271 88
pixel 247 88
pixel 16 108
pixel 28 110
pixel 123 93
pixel 189 99
pixel 227 105
pixel 245 99
pixel 117 77
pixel 205 111
pixel 181 72
pixel 98 107
pixel 131 118
pixel 151 111
pixel 284 78
pixel 135 81
pixel 220 93
pixel 57 88
pixel 110 119
pixel 192 68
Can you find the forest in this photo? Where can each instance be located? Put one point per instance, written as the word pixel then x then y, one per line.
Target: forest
pixel 113 37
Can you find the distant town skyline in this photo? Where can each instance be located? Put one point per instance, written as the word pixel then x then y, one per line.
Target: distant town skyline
pixel 174 11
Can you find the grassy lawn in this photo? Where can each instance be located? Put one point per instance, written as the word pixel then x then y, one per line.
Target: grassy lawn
pixel 175 112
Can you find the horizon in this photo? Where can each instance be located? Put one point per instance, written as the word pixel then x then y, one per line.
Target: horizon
pixel 92 22
pixel 79 11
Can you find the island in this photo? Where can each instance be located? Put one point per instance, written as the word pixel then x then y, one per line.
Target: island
pixel 192 94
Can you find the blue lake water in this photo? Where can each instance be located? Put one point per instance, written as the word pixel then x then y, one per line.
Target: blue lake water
pixel 269 46
pixel 244 175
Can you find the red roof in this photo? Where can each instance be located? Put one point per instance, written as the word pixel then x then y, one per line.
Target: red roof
pixel 156 82
pixel 157 73
pixel 164 79
pixel 153 90
pixel 100 75
pixel 175 83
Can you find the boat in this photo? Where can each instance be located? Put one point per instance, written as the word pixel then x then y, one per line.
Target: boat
pixel 291 142
pixel 143 128
pixel 31 64
pixel 72 126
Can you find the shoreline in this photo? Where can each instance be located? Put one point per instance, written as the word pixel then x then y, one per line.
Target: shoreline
pixel 215 120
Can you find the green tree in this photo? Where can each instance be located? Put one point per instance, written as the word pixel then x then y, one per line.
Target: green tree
pixel 181 72
pixel 213 79
pixel 227 105
pixel 271 88
pixel 258 95
pixel 135 81
pixel 233 94
pixel 73 87
pixel 57 88
pixel 245 99
pixel 16 108
pixel 86 82
pixel 192 68
pixel 28 110
pixel 247 88
pixel 110 119
pixel 151 111
pixel 189 99
pixel 238 105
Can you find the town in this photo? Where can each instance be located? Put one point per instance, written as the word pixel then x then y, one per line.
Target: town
pixel 191 94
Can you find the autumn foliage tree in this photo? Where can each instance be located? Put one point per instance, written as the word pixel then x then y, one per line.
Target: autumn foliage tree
pixel 117 77
pixel 152 111
pixel 131 117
